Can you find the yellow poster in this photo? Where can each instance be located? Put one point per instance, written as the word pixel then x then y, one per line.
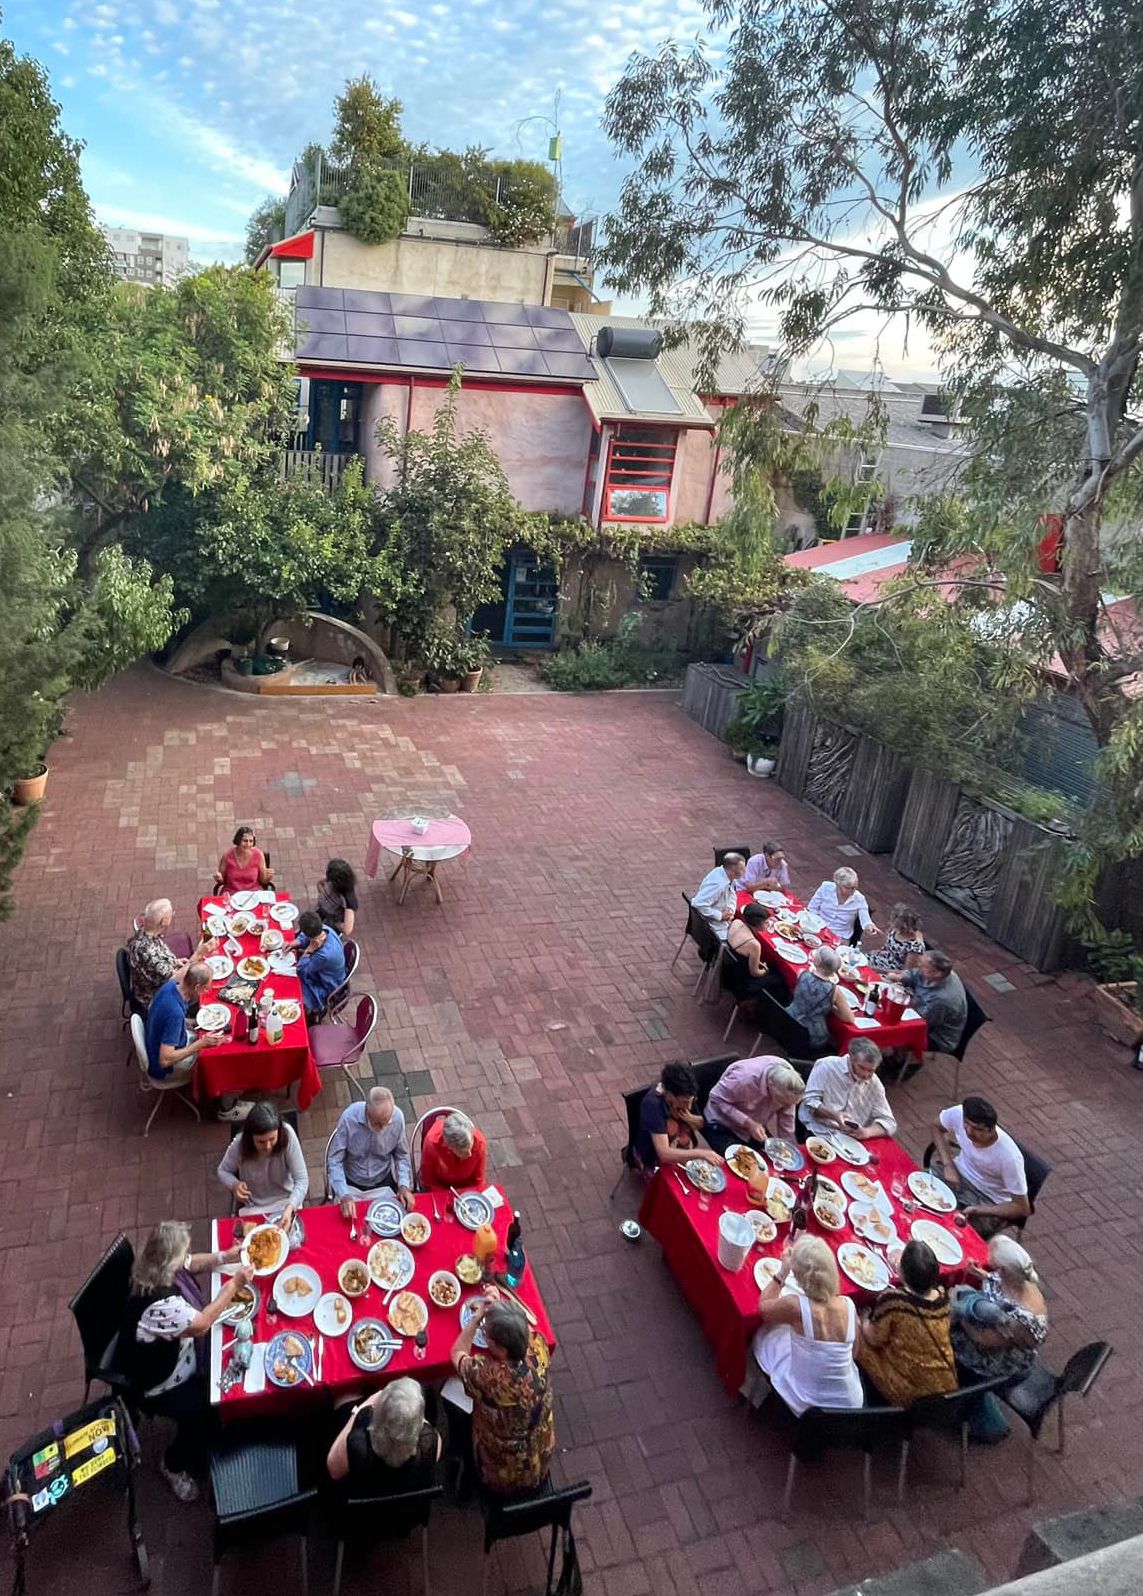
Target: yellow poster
pixel 94 1465
pixel 80 1440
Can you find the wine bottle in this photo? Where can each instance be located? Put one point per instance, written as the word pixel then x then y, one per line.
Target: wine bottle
pixel 252 1033
pixel 514 1261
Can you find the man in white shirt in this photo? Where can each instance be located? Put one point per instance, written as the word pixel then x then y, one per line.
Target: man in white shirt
pixel 845 1094
pixel 982 1164
pixel 716 899
pixel 842 907
pixel 767 871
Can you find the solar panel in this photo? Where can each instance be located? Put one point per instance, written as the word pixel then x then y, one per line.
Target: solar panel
pixel 311 294
pixel 422 352
pixel 325 346
pixel 563 339
pixel 546 316
pixel 569 366
pixel 317 320
pixel 365 299
pixel 473 357
pixel 370 325
pixel 412 304
pixel 514 337
pixel 372 351
pixel 468 310
pixel 523 362
pixel 418 327
pixel 642 386
pixel 505 315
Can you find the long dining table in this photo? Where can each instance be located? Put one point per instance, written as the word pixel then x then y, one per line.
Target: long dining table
pixel 725 1301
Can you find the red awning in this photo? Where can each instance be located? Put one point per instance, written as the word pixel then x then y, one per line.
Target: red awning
pixel 300 247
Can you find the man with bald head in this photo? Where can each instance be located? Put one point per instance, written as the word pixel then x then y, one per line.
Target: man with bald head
pixel 149 958
pixel 717 897
pixel 369 1152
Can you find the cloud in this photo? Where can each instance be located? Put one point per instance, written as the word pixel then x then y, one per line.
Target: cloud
pixel 116 215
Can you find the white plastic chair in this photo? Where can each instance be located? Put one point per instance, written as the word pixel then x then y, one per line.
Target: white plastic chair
pixel 147 1082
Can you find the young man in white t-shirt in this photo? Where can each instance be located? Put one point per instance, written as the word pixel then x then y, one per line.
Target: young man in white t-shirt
pixel 982 1164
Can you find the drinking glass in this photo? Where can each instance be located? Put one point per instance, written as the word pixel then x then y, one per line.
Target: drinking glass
pixel 897 1187
pixel 703 1199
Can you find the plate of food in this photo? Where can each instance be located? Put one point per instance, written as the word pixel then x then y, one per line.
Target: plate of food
pixel 288 1010
pixel 212 1017
pixel 863 1267
pixel 830 1190
pixel 869 1221
pixel 297 1290
pixel 864 1189
pixel 809 921
pixel 468 1269
pixel 764 1227
pixel 821 1152
pixel 444 1289
pixel 853 1151
pixel 828 1214
pixel 219 966
pixel 284 963
pixel 785 1156
pixel 408 1313
pixel 289 1359
pixel 416 1229
pixel 780 1201
pixel 385 1216
pixel 285 913
pixel 353 1277
pixel 265 1249
pixel 370 1345
pixel 707 1177
pixel 390 1264
pixel 333 1314
pixel 238 924
pixel 765 1270
pixel 253 968
pixel 473 1209
pixel 745 1162
pixel 216 925
pixel 772 900
pixel 947 1248
pixel 243 1304
pixel 271 939
pixel 466 1313
pixel 792 952
pixel 932 1192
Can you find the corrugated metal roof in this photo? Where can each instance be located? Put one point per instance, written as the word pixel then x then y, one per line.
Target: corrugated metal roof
pixel 737 373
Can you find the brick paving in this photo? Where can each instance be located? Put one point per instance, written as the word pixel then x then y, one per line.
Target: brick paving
pixel 540 992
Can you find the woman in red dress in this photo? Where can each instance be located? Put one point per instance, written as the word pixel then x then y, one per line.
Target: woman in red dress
pixel 243 867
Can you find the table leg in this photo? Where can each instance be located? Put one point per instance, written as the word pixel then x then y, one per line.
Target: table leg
pixel 431 872
pixel 397 868
pixel 407 867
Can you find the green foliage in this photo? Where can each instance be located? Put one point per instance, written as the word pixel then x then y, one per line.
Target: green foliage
pixel 1113 959
pixel 526 208
pixel 591 668
pixel 367 125
pixel 267 223
pixel 375 207
pixel 756 727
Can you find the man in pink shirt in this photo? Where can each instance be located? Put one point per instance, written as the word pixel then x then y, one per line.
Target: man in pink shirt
pixel 767 871
pixel 755 1098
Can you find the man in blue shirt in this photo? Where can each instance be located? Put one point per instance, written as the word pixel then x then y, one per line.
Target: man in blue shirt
pixel 321 963
pixel 168 1051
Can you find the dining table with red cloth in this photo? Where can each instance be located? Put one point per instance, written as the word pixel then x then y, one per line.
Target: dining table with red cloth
pixel 912 1036
pixel 326 1247
pixel 727 1303
pixel 236 1066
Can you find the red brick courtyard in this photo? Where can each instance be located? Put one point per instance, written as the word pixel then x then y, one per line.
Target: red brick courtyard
pixel 539 993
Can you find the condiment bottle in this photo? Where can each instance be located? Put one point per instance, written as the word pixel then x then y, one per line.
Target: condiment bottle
pixel 484 1245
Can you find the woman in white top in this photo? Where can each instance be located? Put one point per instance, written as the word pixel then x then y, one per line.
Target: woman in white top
pixel 805 1345
pixel 841 906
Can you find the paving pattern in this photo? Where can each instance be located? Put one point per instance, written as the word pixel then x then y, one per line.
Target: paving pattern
pixel 539 992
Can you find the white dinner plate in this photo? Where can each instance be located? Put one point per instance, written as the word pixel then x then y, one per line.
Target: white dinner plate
pixel 245 900
pixel 284 913
pixel 284 963
pixel 217 926
pixel 947 1248
pixel 333 1314
pixel 254 968
pixel 866 1190
pixel 212 1017
pixel 809 921
pixel 866 1269
pixel 932 1192
pixel 790 951
pixel 219 966
pixel 772 900
pixel 282 1254
pixel 765 1270
pixel 752 1158
pixel 297 1290
pixel 853 1151
pixel 873 1223
pixel 289 1010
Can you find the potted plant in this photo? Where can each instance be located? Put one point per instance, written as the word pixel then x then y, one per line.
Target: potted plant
pixel 475 654
pixel 30 789
pixel 1118 969
pixel 762 759
pixel 443 651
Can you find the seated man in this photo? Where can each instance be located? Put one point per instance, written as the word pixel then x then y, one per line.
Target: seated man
pixel 668 1130
pixel 753 1099
pixel 845 1094
pixel 982 1164
pixel 321 961
pixel 767 871
pixel 937 993
pixel 168 1051
pixel 454 1153
pixel 150 960
pixel 716 899
pixel 369 1152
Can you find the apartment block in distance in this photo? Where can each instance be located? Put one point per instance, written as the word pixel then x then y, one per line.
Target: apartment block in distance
pixel 156 258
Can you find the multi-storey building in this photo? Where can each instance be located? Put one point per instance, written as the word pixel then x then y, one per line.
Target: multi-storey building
pixel 158 259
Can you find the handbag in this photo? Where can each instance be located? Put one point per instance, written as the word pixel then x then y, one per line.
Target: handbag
pixel 571 1576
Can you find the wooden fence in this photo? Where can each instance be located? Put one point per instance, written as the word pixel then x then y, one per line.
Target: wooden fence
pixel 711 696
pixel 850 778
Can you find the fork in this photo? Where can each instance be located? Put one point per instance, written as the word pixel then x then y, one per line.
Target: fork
pixel 685 1188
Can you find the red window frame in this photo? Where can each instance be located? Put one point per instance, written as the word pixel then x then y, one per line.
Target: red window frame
pixel 640 459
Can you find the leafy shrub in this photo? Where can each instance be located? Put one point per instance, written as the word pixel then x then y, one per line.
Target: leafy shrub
pixel 590 669
pixel 376 207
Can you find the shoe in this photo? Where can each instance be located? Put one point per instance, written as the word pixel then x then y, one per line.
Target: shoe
pixel 181 1484
pixel 236 1111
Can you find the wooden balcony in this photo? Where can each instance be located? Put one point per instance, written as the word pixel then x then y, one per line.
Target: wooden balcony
pixel 328 467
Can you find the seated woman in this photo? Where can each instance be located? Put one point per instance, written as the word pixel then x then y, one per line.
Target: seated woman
pixel 805 1345
pixel 817 995
pixel 386 1445
pixel 758 977
pixel 337 897
pixel 454 1153
pixel 669 1128
pixel 997 1329
pixel 264 1168
pixel 243 867
pixel 161 1343
pixel 904 942
pixel 843 907
pixel 903 1345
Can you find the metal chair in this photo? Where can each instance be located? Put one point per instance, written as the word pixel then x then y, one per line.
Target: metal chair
pixel 734 977
pixel 687 932
pixel 1033 1397
pixel 1036 1172
pixel 546 1508
pixel 791 1034
pixel 339 997
pixel 711 949
pixel 417 1138
pixel 257 1498
pixel 865 1429
pixel 130 1004
pixel 368 1519
pixel 148 1083
pixel 98 1305
pixel 337 1046
pixel 632 1103
pixel 948 1412
pixel 708 1072
pixel 742 848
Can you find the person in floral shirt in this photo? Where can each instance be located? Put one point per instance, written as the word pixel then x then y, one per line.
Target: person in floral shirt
pixel 513 1432
pixel 150 960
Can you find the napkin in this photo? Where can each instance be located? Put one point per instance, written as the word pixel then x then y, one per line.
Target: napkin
pixel 255 1380
pixel 452 1391
pixel 910 1014
pixel 283 964
pixel 493 1197
pixel 267 897
pixel 865 1022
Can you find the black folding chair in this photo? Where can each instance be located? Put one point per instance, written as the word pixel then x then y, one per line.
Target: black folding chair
pixel 867 1430
pixel 742 848
pixel 949 1412
pixel 257 1498
pixel 98 1305
pixel 975 1017
pixel 708 1072
pixel 123 971
pixel 790 1034
pixel 632 1103
pixel 1034 1397
pixel 546 1508
pixel 734 977
pixel 1036 1172
pixel 365 1520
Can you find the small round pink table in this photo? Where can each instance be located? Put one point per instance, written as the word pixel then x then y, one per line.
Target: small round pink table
pixel 419 851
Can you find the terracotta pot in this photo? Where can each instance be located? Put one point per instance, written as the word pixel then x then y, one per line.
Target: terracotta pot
pixel 1117 1018
pixel 449 684
pixel 472 680
pixel 30 789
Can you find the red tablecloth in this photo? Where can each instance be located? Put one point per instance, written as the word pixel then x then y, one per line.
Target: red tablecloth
pixel 326 1247
pixel 238 1067
pixel 727 1304
pixel 912 1035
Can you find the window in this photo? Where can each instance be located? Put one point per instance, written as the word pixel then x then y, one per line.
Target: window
pixel 640 464
pixel 657 576
pixel 291 273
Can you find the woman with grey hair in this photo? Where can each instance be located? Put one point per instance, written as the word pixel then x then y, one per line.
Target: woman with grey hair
pixel 817 995
pixel 513 1432
pixel 842 907
pixel 162 1342
pixel 386 1445
pixel 998 1328
pixel 453 1153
